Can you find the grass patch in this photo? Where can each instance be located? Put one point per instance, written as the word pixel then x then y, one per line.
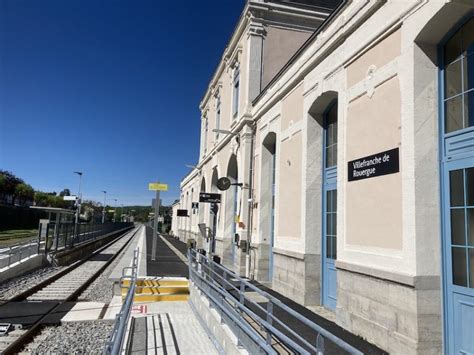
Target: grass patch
pixel 16 236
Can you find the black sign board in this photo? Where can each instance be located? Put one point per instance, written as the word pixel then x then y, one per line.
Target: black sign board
pixel 182 213
pixel 209 197
pixel 379 164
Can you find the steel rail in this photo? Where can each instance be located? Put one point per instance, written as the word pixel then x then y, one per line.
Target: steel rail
pixel 23 295
pixel 25 338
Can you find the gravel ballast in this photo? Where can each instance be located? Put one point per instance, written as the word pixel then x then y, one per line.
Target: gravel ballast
pixel 102 289
pixel 22 283
pixel 86 337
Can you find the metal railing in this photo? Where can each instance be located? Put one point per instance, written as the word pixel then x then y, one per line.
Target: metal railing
pixel 55 237
pixel 259 325
pixel 17 252
pixel 60 236
pixel 115 343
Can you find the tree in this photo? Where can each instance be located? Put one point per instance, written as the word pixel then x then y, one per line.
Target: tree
pixel 65 192
pixel 8 184
pixel 47 199
pixel 41 198
pixel 25 193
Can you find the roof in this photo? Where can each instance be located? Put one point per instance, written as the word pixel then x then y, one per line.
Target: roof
pixel 53 209
pixel 298 53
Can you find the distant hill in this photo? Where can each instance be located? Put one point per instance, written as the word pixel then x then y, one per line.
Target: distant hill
pixel 141 213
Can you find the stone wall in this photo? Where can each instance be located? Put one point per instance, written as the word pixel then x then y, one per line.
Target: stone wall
pixel 399 318
pixel 297 276
pixel 260 262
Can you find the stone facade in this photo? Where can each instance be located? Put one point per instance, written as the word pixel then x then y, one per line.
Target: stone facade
pixel 400 318
pixel 375 63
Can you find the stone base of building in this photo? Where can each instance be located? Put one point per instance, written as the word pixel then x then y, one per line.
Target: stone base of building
pixel 399 318
pixel 297 276
pixel 260 262
pixel 224 251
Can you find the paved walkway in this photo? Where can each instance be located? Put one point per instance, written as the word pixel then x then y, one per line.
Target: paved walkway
pixel 161 259
pixel 168 328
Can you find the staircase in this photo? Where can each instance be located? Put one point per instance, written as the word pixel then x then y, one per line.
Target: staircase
pixel 157 289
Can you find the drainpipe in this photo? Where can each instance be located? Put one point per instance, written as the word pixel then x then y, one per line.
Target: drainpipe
pixel 248 260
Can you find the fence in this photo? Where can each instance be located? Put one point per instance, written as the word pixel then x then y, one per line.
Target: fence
pixel 59 236
pixel 115 343
pixel 263 326
pixel 17 252
pixel 54 237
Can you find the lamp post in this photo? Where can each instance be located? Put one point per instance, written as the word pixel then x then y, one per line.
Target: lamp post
pixel 115 210
pixel 103 209
pixel 78 202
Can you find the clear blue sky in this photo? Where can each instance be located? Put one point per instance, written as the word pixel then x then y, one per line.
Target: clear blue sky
pixel 110 88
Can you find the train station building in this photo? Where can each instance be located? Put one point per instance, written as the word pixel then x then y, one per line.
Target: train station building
pixel 347 130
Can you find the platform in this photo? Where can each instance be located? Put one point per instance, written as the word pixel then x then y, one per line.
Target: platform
pixel 126 256
pixel 163 260
pixel 168 328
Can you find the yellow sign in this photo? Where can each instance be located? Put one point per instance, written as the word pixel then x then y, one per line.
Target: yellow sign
pixel 157 187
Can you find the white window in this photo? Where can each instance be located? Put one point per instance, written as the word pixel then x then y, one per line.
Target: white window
pixel 235 94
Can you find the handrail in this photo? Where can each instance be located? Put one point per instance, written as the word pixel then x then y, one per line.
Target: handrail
pixel 255 336
pixel 115 342
pixel 267 323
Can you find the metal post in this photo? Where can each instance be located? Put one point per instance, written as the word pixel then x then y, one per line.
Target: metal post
pixel 40 228
pixel 269 320
pixel 78 202
pixel 155 224
pixel 103 209
pixel 320 344
pixel 241 293
pixel 215 208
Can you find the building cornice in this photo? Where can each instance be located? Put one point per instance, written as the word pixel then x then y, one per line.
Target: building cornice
pixel 228 52
pixel 245 119
pixel 191 175
pixel 318 47
pixel 255 13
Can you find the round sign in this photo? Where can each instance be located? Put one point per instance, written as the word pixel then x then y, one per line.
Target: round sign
pixel 223 183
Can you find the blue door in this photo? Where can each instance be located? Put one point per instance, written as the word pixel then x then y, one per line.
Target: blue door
pixel 459 254
pixel 329 217
pixel 457 170
pixel 330 248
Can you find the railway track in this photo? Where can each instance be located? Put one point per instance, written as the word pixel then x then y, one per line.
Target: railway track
pixel 48 299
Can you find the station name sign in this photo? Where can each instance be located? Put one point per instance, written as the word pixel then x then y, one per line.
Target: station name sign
pixel 209 197
pixel 379 164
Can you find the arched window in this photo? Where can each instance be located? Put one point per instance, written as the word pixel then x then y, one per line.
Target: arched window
pixel 459 79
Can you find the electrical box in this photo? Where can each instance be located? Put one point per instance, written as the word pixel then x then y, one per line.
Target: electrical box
pixel 244 246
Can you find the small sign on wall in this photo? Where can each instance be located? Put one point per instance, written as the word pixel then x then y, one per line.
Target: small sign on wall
pixel 182 213
pixel 379 164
